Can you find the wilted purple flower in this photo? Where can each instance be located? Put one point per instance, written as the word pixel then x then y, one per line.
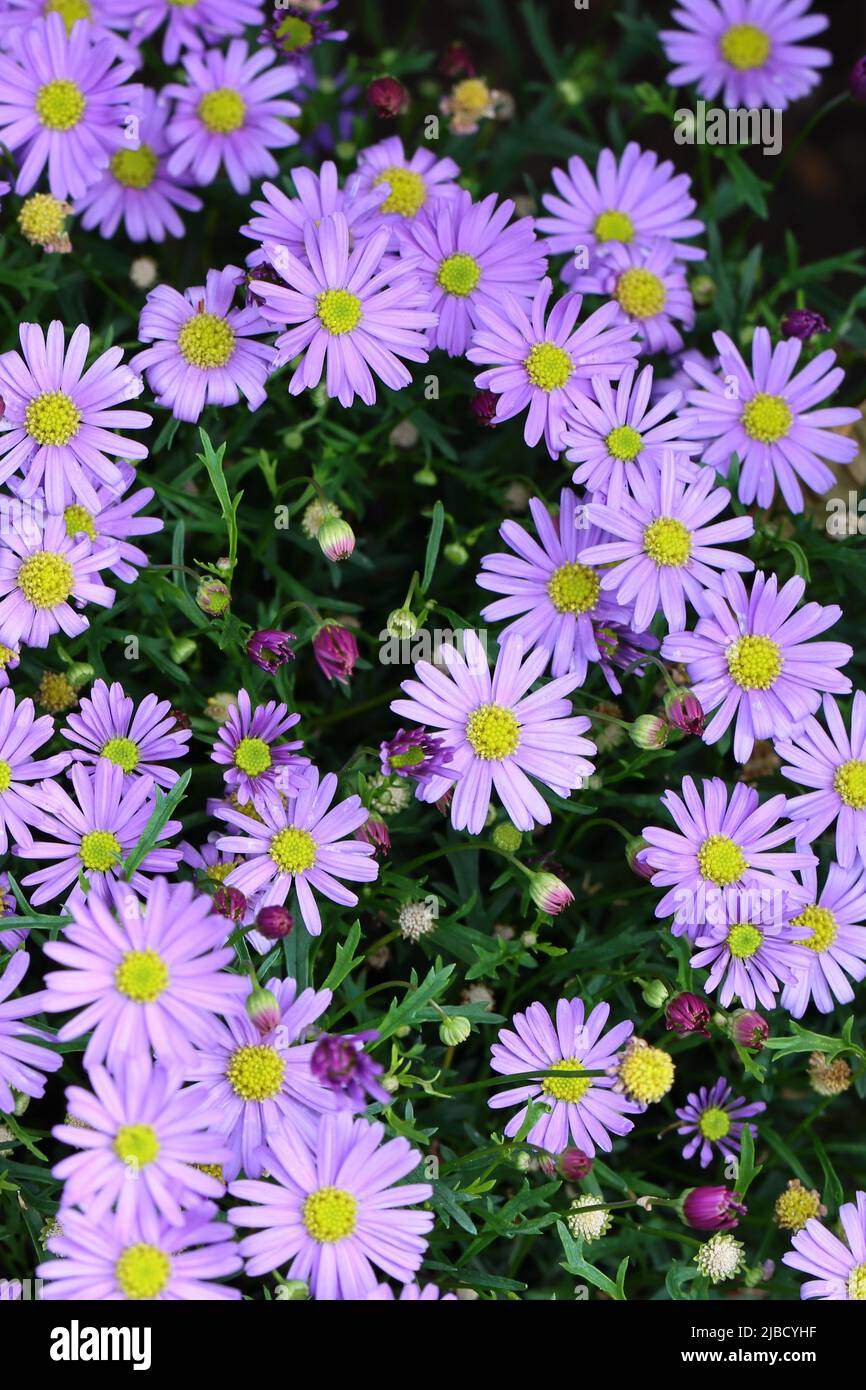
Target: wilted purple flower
pixel 336 650
pixel 713 1209
pixel 688 1013
pixel 750 1029
pixel 803 324
pixel 270 649
pixel 341 1064
pixel 414 754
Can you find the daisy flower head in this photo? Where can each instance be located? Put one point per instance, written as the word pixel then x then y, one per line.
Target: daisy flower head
pixel 348 314
pixel 92 833
pixel 751 658
pixel 253 1085
pixel 189 24
pixel 465 255
pixel 833 764
pixel 752 951
pixel 333 1212
pixel 102 15
pixel 141 1141
pixel 41 569
pixel 114 522
pixel 414 754
pixel 584 1110
pixel 631 200
pixel 151 1260
pixel 59 427
pixel 21 735
pixel 667 551
pixel 65 97
pixel 204 350
pixel 542 363
pixel 648 287
pixel 143 976
pixel 764 415
pixel 281 219
pixel 553 594
pixel 832 928
pixel 410 1293
pixel 139 740
pixel 341 1064
pixel 416 183
pixel 720 841
pixel 231 111
pixel 257 768
pixel 714 1119
pixel 611 432
pixel 301 842
pixel 749 51
pixel 500 736
pixel 23 1061
pixel 838 1266
pixel 295 29
pixel 136 188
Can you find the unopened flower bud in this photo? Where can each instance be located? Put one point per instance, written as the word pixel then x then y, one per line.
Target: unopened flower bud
pixel 549 893
pixel 750 1029
pixel 229 902
pixel 79 673
pixel 654 993
pixel 455 1030
pixel 649 731
pixel 574 1164
pixel 374 832
pixel 635 851
pixel 213 597
pixel 685 711
pixel 703 290
pixel 483 405
pixel 857 80
pixel 274 922
pixel 388 97
pixel 425 477
pixel 688 1013
pixel 336 538
pixel 507 837
pixel 803 324
pixel 712 1209
pixel 404 435
pixel 455 553
pixel 402 624
pixel 263 1010
pixel 291 1291
pixel 181 649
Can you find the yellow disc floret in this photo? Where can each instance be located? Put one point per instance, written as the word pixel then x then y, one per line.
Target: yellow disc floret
pixel 823 925
pixel 850 782
pixel 646 1073
pixel 640 293
pixel 458 274
pixel 667 541
pixel 330 1214
pixel 142 976
pixel 252 756
pixel 99 851
pixel 123 752
pixel 408 190
pixel 222 111
pixel 571 1089
pixel 745 46
pixel 767 418
pixel 5 776
pixel 548 366
pixel 52 418
pixel 796 1205
pixel 70 11
pixel 493 732
pixel 60 104
pixel 743 940
pixel 754 662
pixel 857 1283
pixel 612 225
pixel 142 1271
pixel 293 850
pixel 574 588
pixel 714 1123
pixel 256 1072
pixel 79 522
pixel 472 95
pixel 136 1145
pixel 206 341
pixel 339 311
pixel 45 579
pixel 624 443
pixel 721 860
pixel 42 220
pixel 135 168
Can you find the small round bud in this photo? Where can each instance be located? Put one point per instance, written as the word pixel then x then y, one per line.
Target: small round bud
pixel 750 1029
pixel 549 893
pixel 181 649
pixel 685 711
pixel 388 97
pixel 654 993
pixel 425 477
pixel 402 624
pixel 336 538
pixel 635 851
pixel 688 1013
pixel 456 553
pixel 703 290
pixel 213 597
pixel 263 1010
pixel 803 324
pixel 274 922
pixel 404 435
pixel 455 1030
pixel 573 1164
pixel 649 731
pixel 507 837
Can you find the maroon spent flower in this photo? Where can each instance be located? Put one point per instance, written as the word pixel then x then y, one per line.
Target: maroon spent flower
pixel 336 651
pixel 685 711
pixel 374 832
pixel 749 1029
pixel 712 1209
pixel 341 1064
pixel 857 80
pixel 483 406
pixel 457 61
pixel 574 1164
pixel 274 922
pixel 180 717
pixel 270 649
pixel 388 97
pixel 229 902
pixel 803 324
pixel 688 1013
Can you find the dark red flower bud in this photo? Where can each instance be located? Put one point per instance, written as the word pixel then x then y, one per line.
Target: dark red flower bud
pixel 274 922
pixel 388 97
pixel 712 1209
pixel 803 324
pixel 750 1029
pixel 688 1013
pixel 230 902
pixel 574 1164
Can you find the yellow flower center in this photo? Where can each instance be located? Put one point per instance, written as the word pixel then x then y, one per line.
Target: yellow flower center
pixel 668 542
pixel 69 10
pixel 54 692
pixel 857 1283
pixel 136 1144
pixel 52 418
pixel 122 752
pixel 647 1073
pixel 714 1123
pixel 472 95
pixel 744 940
pixel 330 1214
pixel 252 756
pixel 213 1170
pixel 571 1089
pixel 142 976
pixel 256 1072
pixel 640 293
pixel 767 418
pixel 823 925
pixel 99 851
pixel 294 33
pixel 183 4
pixel 721 860
pixel 754 662
pixel 42 219
pixel 142 1271
pixel 218 873
pixel 339 311
pixel 459 274
pixel 624 443
pixel 492 732
pixel 5 776
pixel 293 850
pixel 408 190
pixel 135 168
pixel 850 783
pixel 548 366
pixel 6 655
pixel 60 104
pixel 206 341
pixel 744 46
pixel 795 1206
pixel 79 522
pixel 574 588
pixel 613 225
pixel 222 111
pixel 45 579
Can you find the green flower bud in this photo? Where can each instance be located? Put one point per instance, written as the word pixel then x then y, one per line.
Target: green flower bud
pixel 703 289
pixel 654 993
pixel 213 597
pixel 649 731
pixel 455 553
pixel 181 649
pixel 454 1031
pixel 507 837
pixel 402 623
pixel 425 477
pixel 291 1291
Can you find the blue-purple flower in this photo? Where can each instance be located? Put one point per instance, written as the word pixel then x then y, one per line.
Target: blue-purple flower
pixel 649 291
pixel 416 182
pixel 838 1266
pixel 23 1061
pixel 714 1120
pixel 281 219
pixel 257 767
pixel 21 735
pixel 832 927
pixel 833 764
pixel 140 740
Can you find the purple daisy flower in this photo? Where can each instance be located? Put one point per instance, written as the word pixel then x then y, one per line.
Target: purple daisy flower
pixel 153 1261
pixel 143 1142
pixel 21 734
pixel 114 521
pixel 583 1109
pixel 64 100
pixel 544 366
pixel 355 313
pixel 41 569
pixel 750 657
pixel 257 768
pixel 410 1293
pixel 59 425
pixel 231 111
pixel 93 833
pixel 836 767
pixel 340 1064
pixel 191 24
pixel 136 189
pixel 415 754
pixel 750 51
pixel 669 548
pixel 721 842
pixel 465 255
pixel 144 975
pixel 649 290
pixel 295 29
pixel 839 1266
pixel 108 725
pixel 610 433
pixel 422 181
pixel 836 940
pixel 102 15
pixel 301 842
pixel 254 1085
pixel 769 422
pixel 715 1119
pixel 753 950
pixel 334 1210
pixel 500 735
pixel 281 219
pixel 22 1061
pixel 204 352
pixel 551 586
